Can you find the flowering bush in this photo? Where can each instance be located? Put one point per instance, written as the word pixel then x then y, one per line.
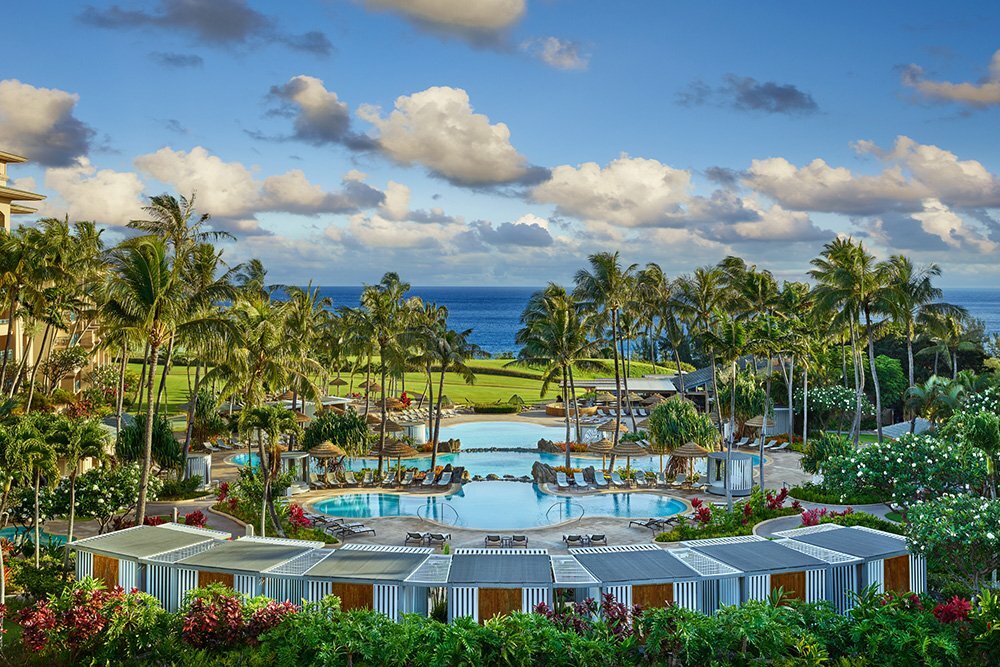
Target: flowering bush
pixel 815 516
pixel 953 611
pixel 216 618
pixel 907 469
pixel 196 519
pixel 831 405
pixel 405 400
pixel 580 616
pixel 566 469
pixel 297 516
pixel 152 521
pixel 573 446
pixel 720 522
pixel 223 492
pixel 107 493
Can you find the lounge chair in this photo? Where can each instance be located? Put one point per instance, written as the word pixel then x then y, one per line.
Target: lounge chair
pixel 679 480
pixel 780 447
pixel 573 540
pixel 438 538
pixel 519 541
pixel 599 480
pixel 317 485
pixel 368 479
pixel 445 479
pixel 408 478
pixel 741 442
pixel 221 444
pixel 616 481
pixel 580 482
pixel 428 479
pixel 389 479
pixel 414 538
pixel 661 479
pixel 493 541
pixel 349 531
pixel 640 479
pixel 349 478
pixel 770 444
pixel 561 480
pixel 208 448
pixel 599 539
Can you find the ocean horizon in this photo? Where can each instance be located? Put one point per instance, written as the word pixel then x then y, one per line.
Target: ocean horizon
pixel 493 312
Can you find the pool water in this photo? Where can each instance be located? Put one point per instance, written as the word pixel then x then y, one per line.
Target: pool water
pixel 502 463
pixel 11 532
pixel 475 435
pixel 500 506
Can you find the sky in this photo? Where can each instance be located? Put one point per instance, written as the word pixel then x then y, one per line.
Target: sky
pixel 501 142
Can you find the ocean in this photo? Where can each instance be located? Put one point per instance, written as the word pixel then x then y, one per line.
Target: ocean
pixel 493 313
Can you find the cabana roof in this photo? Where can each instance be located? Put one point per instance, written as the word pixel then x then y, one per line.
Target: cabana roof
pixel 866 543
pixel 704 565
pixel 755 554
pixel 482 567
pixel 569 572
pixel 433 571
pixel 380 564
pixel 147 541
pixel 636 564
pixel 249 554
pixel 824 554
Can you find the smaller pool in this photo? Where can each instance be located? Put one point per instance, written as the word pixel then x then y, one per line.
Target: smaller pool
pixel 11 532
pixel 500 506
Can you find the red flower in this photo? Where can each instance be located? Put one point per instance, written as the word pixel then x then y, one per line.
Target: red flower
pixel 223 492
pixel 152 521
pixel 953 611
pixel 697 502
pixel 297 516
pixel 195 518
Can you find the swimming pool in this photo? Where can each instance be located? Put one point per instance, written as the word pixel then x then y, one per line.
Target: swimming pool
pixel 11 532
pixel 504 462
pixel 500 506
pixel 475 435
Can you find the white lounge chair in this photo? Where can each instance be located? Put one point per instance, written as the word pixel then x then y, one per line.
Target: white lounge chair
pixel 408 478
pixel 679 480
pixel 368 479
pixel 741 442
pixel 599 480
pixel 428 479
pixel 561 481
pixel 661 479
pixel 783 445
pixel 770 444
pixel 616 480
pixel 640 479
pixel 349 478
pixel 580 482
pixel 445 479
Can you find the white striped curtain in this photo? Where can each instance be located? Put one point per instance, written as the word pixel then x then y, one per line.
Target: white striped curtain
pixel 386 600
pixel 815 585
pixel 874 573
pixel 84 564
pixel 463 601
pixel 687 595
pixel 530 597
pixel 758 586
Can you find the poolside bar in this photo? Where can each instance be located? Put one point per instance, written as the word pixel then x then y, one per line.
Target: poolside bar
pixel 767 566
pixel 483 583
pixel 885 563
pixel 117 558
pixel 642 574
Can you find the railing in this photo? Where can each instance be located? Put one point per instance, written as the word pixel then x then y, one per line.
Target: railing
pixel 438 512
pixel 565 511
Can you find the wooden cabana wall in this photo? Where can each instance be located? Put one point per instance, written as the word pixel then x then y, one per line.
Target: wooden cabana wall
pixel 484 583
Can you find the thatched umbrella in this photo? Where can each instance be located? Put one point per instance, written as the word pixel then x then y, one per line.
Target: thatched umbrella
pixel 372 419
pixel 398 449
pixel 634 397
pixel 301 418
pixel 689 450
pixel 602 447
pixel 605 397
pixel 653 399
pixel 609 427
pixel 338 382
pixel 373 388
pixel 628 449
pixel 390 426
pixel 327 450
pixel 759 422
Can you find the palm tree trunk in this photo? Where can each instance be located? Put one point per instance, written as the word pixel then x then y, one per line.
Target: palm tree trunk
pixel 871 362
pixel 142 379
pixel 120 398
pixel 805 406
pixel 715 395
pixel 858 389
pixel 791 397
pixel 936 353
pixel 72 516
pixel 437 411
pixel 265 472
pixel 729 447
pixel 34 368
pixel 189 431
pixel 954 364
pixel 38 483
pixel 381 428
pixel 430 416
pixel 627 367
pixel 368 380
pixel 6 342
pixel 576 406
pixel 680 374
pixel 147 452
pixel 565 384
pixel 166 369
pixel 618 383
pixel 763 428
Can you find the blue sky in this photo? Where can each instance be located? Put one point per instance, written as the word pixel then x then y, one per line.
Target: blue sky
pixel 502 141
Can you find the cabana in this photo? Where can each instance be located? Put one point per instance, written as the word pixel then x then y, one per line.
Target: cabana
pixel 370 576
pixel 117 558
pixel 200 465
pixel 483 583
pixel 240 565
pixel 297 463
pixel 767 566
pixel 842 576
pixel 740 473
pixel 720 583
pixel 885 560
pixel 642 574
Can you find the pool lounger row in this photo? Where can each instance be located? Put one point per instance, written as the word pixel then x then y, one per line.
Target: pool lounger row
pixel 825 562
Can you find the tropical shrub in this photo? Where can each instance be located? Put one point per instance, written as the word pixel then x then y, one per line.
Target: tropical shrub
pixel 216 618
pixel 711 521
pixel 852 518
pixel 834 404
pixel 349 431
pixel 820 449
pixel 496 409
pixel 181 489
pixel 892 380
pixel 676 422
pixel 907 469
pixel 167 451
pixel 821 493
pixel 102 384
pixel 960 531
pixel 107 493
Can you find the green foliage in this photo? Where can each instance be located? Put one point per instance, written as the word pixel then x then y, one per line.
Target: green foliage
pixel 710 521
pixel 102 384
pixel 830 405
pixel 820 449
pixel 892 380
pixel 864 519
pixel 107 493
pixel 496 409
pixel 906 469
pixel 61 363
pixel 39 582
pixel 181 489
pixel 207 422
pixel 167 451
pixel 749 397
pixel 960 530
pixel 349 431
pixel 821 493
pixel 676 422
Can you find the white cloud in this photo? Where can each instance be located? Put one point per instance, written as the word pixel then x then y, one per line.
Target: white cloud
pixel 320 116
pixel 913 172
pixel 938 220
pixel 486 15
pixel 559 53
pixel 39 124
pixel 438 129
pixel 983 94
pixel 396 205
pixel 233 196
pixel 103 196
pixel 773 223
pixel 631 192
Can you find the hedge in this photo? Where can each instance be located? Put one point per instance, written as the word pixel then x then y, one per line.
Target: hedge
pixel 496 408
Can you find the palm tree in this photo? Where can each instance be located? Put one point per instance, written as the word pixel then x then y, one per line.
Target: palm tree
pixel 78 439
pixel 272 421
pixel 937 399
pixel 36 432
pixel 948 336
pixel 450 351
pixel 729 341
pixel 147 298
pixel 304 323
pixel 700 298
pixel 555 333
pixel 605 289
